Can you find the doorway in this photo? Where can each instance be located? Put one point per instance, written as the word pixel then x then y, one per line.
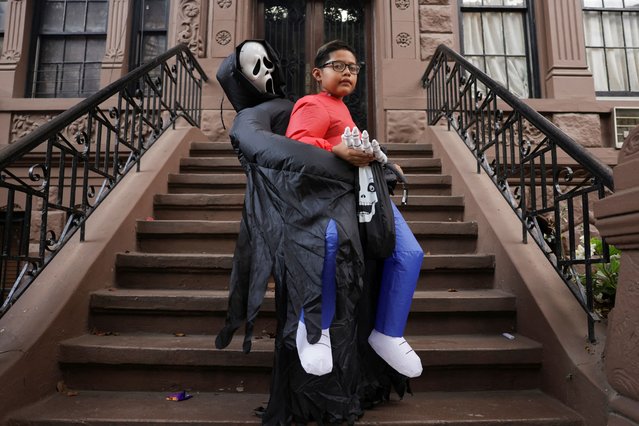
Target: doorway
pixel 297 28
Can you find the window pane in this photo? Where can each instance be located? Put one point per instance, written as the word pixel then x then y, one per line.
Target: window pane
pixel 3 5
pixel 91 80
pixel 494 2
pixel 631 28
pixel 514 31
pixel 632 3
pixel 515 2
pixel 155 14
pixel 496 68
pixel 616 63
pixel 75 15
pixel 74 50
pixel 613 29
pixel 153 46
pixel 518 77
pixel 52 16
pixel 592 24
pixel 473 40
pixel 597 64
pixel 613 3
pixel 471 3
pixel 95 49
pixel 70 81
pixel 633 69
pixel 45 80
pixel 478 61
pixel 493 33
pixel 97 17
pixel 592 3
pixel 51 50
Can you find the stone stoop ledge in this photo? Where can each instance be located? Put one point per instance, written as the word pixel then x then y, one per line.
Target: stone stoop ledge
pixel 54 308
pixel 617 218
pixel 572 370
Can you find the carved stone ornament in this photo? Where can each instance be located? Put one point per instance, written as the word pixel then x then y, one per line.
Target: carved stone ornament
pixel 11 55
pixel 114 54
pixel 402 4
pixel 223 37
pixel 23 124
pixel 631 145
pixel 189 18
pixel 224 4
pixel 403 39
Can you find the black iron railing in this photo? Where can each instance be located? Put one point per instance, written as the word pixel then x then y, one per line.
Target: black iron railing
pixel 548 179
pixel 55 177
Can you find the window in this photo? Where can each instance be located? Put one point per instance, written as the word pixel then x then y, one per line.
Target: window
pixel 612 45
pixel 69 48
pixel 149 30
pixel 496 39
pixel 3 6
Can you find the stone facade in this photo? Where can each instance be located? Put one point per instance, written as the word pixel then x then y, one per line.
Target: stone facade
pixel 583 128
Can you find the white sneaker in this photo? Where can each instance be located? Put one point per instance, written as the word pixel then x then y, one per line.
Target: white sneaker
pixel 316 359
pixel 397 353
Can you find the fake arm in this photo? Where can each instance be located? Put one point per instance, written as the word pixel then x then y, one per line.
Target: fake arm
pixel 308 120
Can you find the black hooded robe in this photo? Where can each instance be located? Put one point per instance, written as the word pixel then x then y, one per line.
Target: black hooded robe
pixel 293 190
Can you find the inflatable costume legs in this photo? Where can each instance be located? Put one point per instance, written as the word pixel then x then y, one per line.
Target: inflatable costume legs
pixel 317 358
pixel 399 279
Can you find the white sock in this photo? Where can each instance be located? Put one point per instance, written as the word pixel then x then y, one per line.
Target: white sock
pixel 316 359
pixel 397 353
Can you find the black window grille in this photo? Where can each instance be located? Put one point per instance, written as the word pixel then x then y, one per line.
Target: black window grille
pixel 611 28
pixel 498 38
pixel 69 47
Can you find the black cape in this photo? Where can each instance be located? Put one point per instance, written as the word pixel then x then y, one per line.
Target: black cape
pixel 293 190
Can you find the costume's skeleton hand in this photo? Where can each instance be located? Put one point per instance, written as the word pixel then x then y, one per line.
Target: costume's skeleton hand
pixel 353 140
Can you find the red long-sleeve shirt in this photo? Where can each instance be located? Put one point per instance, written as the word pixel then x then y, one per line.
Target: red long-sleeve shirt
pixel 319 120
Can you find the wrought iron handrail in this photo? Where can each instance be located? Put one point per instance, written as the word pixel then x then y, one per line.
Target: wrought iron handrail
pixel 51 174
pixel 520 150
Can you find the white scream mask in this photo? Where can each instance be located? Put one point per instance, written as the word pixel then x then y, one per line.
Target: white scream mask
pixel 257 67
pixel 367 195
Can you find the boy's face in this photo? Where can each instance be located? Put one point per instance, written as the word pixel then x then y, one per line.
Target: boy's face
pixel 337 83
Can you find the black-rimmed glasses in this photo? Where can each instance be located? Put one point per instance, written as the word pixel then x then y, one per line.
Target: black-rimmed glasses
pixel 340 66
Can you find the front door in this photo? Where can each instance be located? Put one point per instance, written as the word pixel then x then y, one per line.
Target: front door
pixel 297 28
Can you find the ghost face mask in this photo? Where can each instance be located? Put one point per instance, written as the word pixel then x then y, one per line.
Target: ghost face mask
pixel 257 67
pixel 367 195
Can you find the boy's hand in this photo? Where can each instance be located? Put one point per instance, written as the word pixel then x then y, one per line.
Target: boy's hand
pixel 354 156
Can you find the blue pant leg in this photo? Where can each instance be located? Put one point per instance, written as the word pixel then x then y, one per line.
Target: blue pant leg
pixel 329 291
pixel 399 279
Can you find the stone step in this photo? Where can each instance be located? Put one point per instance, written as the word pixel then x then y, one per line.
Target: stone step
pixel 409 165
pixel 155 362
pixel 235 183
pixel 124 310
pixel 219 149
pixel 446 208
pixel 212 149
pixel 513 408
pixel 212 271
pixel 207 236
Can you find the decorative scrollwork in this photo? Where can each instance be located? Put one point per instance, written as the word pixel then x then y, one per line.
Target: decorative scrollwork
pixel 224 4
pixel 189 34
pixel 34 176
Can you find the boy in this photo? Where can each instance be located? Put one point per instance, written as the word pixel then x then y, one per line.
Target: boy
pixel 323 120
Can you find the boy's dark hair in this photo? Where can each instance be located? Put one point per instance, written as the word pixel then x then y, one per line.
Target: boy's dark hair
pixel 324 52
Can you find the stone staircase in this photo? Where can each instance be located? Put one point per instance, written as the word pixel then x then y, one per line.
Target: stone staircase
pixel 154 333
